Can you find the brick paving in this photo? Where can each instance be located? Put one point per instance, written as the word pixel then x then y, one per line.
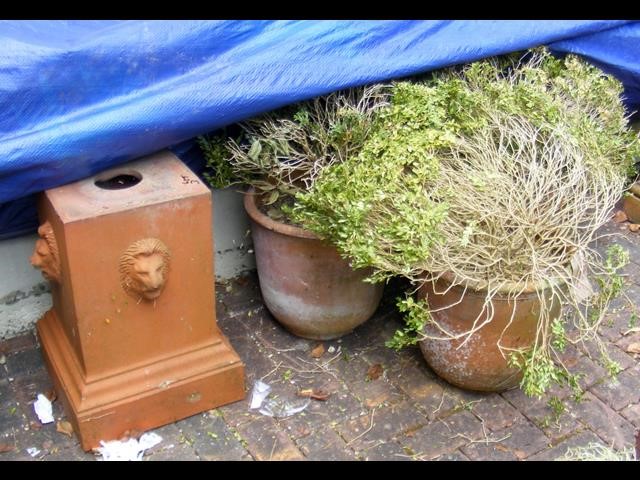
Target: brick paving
pixel 407 413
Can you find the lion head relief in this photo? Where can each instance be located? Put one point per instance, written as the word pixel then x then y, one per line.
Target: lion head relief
pixel 144 267
pixel 45 255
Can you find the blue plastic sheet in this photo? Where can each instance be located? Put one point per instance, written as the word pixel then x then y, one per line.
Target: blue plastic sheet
pixel 78 97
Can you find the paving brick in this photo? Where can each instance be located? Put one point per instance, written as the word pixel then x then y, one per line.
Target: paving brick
pixel 619 392
pixel 627 340
pixel 378 329
pixel 351 368
pixel 211 438
pixel 489 452
pixel 11 414
pixel 522 402
pixel 381 425
pixel 17 344
pixel 617 355
pixel 25 362
pixel 616 322
pixel 26 390
pixel 273 336
pixel 172 452
pixel 611 427
pixel 495 412
pixel 555 426
pixel 325 445
pixel 443 436
pixel 524 439
pixel 516 442
pixel 73 454
pixel 455 456
pixel 390 359
pixel 581 439
pixel 632 413
pixel 232 327
pixel 340 406
pixel 376 393
pixel 266 441
pixel 385 452
pixel 240 293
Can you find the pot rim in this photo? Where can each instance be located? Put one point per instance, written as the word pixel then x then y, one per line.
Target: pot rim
pixel 508 288
pixel 263 220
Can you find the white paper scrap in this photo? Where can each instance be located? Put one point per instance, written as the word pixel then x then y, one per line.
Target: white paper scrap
pixel 43 409
pixel 131 450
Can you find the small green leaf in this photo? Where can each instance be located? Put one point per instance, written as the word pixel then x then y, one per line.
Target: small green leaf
pixel 254 151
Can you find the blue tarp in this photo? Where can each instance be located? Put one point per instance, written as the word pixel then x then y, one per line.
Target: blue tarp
pixel 78 97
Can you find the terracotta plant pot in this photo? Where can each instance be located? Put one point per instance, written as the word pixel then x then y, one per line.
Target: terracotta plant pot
pixel 305 284
pixel 479 363
pixel 631 203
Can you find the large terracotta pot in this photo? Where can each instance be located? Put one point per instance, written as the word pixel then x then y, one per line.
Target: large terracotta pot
pixel 631 203
pixel 479 364
pixel 305 284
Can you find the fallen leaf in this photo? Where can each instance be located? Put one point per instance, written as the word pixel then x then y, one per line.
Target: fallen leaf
pixel 317 351
pixel 374 371
pixel 634 227
pixel 570 362
pixel 64 427
pixel 411 431
pixel 502 448
pixel 33 425
pixel 315 394
pixel 302 431
pixel 620 217
pixel 5 447
pixel 634 348
pixel 520 455
pixel 51 395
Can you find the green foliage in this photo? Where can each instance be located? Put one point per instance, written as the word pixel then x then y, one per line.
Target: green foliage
pixel 218 173
pixel 396 204
pixel 416 317
pixel 284 151
pixel 385 206
pixel 539 371
pixel 373 205
pixel 558 336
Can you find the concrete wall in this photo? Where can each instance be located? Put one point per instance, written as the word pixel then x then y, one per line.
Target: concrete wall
pixel 232 235
pixel 25 296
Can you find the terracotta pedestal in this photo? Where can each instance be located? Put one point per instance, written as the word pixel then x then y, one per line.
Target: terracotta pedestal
pixel 132 341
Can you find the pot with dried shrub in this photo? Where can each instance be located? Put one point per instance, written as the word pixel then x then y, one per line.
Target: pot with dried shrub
pixel 307 286
pixel 486 186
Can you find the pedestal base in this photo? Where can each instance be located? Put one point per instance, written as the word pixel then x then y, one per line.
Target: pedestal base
pixel 144 396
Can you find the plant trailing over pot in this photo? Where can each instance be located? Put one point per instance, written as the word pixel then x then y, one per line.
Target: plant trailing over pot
pixel 488 184
pixel 305 283
pixel 283 152
pixel 218 172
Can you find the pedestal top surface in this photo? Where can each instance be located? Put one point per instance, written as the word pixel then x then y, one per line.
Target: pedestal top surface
pixel 162 178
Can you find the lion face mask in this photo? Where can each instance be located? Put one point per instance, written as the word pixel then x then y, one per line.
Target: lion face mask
pixel 144 267
pixel 45 254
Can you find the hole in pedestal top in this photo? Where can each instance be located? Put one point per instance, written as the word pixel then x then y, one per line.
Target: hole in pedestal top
pixel 118 180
